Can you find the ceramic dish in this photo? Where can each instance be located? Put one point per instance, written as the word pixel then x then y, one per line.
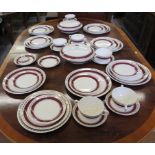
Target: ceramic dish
pixel 88 82
pixel 49 61
pixel 24 80
pixel 25 59
pixel 102 61
pixel 41 30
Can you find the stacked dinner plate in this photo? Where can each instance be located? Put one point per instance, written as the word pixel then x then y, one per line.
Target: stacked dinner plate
pixel 69 26
pixel 38 42
pixel 41 30
pixel 77 53
pixel 44 111
pixel 128 72
pixel 107 42
pixel 88 82
pixel 96 28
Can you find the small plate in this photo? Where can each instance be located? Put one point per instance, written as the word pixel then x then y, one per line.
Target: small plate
pixel 25 59
pixel 103 61
pixel 121 110
pixel 88 122
pixel 48 61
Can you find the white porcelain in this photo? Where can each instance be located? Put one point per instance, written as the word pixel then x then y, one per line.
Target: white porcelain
pixel 59 42
pixel 88 82
pixel 119 109
pixel 70 17
pixel 69 24
pixel 103 53
pixel 24 80
pixel 77 37
pixel 28 120
pixel 56 48
pixel 48 61
pixel 88 122
pixel 41 29
pixel 124 96
pixel 103 61
pixel 24 59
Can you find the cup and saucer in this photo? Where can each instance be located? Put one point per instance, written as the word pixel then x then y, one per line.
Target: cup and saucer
pixel 90 112
pixel 58 44
pixel 103 56
pixel 123 101
pixel 77 39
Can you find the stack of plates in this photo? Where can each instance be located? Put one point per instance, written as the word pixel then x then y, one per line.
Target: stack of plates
pixel 44 111
pixel 69 26
pixel 96 28
pixel 24 80
pixel 88 82
pixel 107 42
pixel 41 30
pixel 77 53
pixel 38 42
pixel 128 72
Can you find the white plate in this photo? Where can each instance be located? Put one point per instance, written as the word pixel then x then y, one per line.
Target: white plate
pixel 88 82
pixel 49 61
pixel 41 30
pixel 120 110
pixel 38 42
pixel 88 122
pixel 24 80
pixel 96 28
pixel 107 42
pixel 24 59
pixel 31 125
pixel 103 61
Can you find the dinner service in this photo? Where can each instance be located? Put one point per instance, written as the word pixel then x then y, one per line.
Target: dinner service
pixel 41 29
pixel 38 42
pixel 107 42
pixel 77 53
pixel 87 121
pixel 88 82
pixel 96 28
pixel 128 72
pixel 48 61
pixel 24 80
pixel 120 109
pixel 44 111
pixel 24 59
pixel 70 17
pixel 58 44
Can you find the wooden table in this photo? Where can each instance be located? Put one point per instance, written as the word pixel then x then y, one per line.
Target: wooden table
pixel 116 129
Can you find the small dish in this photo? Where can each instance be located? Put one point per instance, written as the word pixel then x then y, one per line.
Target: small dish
pixel 48 61
pixel 102 61
pixel 104 53
pixel 70 17
pixel 77 37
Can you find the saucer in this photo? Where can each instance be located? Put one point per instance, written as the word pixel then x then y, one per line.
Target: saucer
pixel 103 61
pixel 88 122
pixel 120 110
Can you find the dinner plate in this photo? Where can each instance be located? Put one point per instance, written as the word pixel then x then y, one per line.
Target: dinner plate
pixel 88 82
pixel 120 110
pixel 96 28
pixel 41 29
pixel 38 42
pixel 102 61
pixel 49 61
pixel 88 122
pixel 24 59
pixel 24 80
pixel 107 42
pixel 57 101
pixel 77 53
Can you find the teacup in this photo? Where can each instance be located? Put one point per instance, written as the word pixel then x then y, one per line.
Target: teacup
pixel 59 42
pixel 77 37
pixel 91 107
pixel 103 53
pixel 124 96
pixel 70 17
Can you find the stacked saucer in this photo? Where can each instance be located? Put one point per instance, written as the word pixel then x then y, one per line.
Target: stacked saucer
pixel 123 101
pixel 69 26
pixel 41 30
pixel 107 42
pixel 77 53
pixel 44 111
pixel 96 28
pixel 38 42
pixel 90 112
pixel 128 72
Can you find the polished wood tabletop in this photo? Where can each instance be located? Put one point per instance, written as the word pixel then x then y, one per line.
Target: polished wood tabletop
pixel 116 129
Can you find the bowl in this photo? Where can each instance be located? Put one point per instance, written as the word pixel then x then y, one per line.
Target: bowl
pixel 59 42
pixel 103 53
pixel 77 37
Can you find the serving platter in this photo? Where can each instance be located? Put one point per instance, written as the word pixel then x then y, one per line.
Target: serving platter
pixel 24 80
pixel 88 82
